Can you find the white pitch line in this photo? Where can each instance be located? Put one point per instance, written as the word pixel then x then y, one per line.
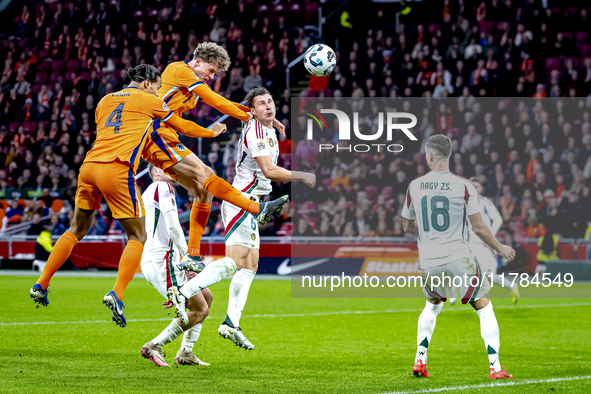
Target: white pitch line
pixel 506 383
pixel 533 306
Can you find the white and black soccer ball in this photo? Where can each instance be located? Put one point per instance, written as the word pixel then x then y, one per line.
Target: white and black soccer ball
pixel 320 60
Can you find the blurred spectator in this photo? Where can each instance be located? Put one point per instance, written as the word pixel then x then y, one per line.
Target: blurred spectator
pixel 98 226
pixel 36 226
pixel 303 230
pixel 548 245
pixel 520 260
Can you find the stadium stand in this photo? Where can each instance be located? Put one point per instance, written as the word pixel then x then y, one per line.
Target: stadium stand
pixel 61 58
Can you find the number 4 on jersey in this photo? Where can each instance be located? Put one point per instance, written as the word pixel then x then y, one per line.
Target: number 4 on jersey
pixel 114 120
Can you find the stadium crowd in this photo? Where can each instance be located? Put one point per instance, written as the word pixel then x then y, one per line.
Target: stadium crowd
pixel 61 58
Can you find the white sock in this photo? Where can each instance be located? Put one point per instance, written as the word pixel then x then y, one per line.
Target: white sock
pixel 238 293
pixel 489 329
pixel 190 337
pixel 425 329
pixel 503 283
pixel 210 275
pixel 170 333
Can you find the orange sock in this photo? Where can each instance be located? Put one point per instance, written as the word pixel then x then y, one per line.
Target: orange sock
pixel 199 217
pixel 224 191
pixel 60 253
pixel 128 265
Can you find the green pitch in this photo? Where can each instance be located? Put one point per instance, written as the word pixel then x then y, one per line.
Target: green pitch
pixel 302 345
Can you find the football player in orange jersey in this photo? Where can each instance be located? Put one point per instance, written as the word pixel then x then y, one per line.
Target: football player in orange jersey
pixel 183 84
pixel 123 120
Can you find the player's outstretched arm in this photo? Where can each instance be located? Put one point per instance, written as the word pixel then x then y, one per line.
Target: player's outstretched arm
pixel 191 129
pixel 279 174
pixel 222 104
pixel 410 226
pixel 484 233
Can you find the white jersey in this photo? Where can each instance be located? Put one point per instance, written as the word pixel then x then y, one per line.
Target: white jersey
pixel 441 203
pixel 491 217
pixel 256 140
pixel 159 199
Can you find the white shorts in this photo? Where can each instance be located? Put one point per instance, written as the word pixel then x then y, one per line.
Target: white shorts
pixel 241 227
pixel 466 270
pixel 486 258
pixel 163 274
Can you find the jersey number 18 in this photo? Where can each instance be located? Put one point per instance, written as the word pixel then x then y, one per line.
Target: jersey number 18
pixel 439 208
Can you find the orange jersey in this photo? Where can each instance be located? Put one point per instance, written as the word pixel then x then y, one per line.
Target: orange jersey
pixel 182 88
pixel 123 121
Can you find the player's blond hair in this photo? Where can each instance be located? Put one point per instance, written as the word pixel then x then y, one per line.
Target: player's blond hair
pixel 210 52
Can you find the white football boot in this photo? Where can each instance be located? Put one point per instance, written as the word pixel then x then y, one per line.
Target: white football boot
pixel 235 335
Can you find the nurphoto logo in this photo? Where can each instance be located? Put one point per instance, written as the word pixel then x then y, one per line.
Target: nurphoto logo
pixel 392 124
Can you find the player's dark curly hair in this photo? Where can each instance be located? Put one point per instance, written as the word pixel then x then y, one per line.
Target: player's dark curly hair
pixel 143 72
pixel 255 92
pixel 210 52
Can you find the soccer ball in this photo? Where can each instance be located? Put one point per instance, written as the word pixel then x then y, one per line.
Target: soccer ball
pixel 320 60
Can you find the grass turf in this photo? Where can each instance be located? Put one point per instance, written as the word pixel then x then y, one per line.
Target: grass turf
pixel 302 346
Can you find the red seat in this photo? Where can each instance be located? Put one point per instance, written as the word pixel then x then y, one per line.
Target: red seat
pixel 327 182
pixel 566 251
pixel 40 76
pixel 44 65
pixel 311 12
pixel 85 75
pixel 580 36
pixel 262 9
pixel 36 88
pixel 585 49
pixel 72 65
pixel 575 61
pixel 307 207
pixel 29 127
pixel 43 54
pixel 295 8
pixel 582 252
pixel 568 35
pixel 312 222
pixel 286 229
pixel 58 64
pixel 552 63
pixel 54 76
pixel 387 191
pixel 372 191
pixel 433 27
pixel 12 127
pixel 279 9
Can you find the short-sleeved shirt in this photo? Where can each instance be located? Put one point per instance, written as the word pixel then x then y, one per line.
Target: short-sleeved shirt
pixel 123 121
pixel 178 83
pixel 255 140
pixel 441 203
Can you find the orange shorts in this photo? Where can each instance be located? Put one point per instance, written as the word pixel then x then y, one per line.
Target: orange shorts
pixel 114 181
pixel 164 149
